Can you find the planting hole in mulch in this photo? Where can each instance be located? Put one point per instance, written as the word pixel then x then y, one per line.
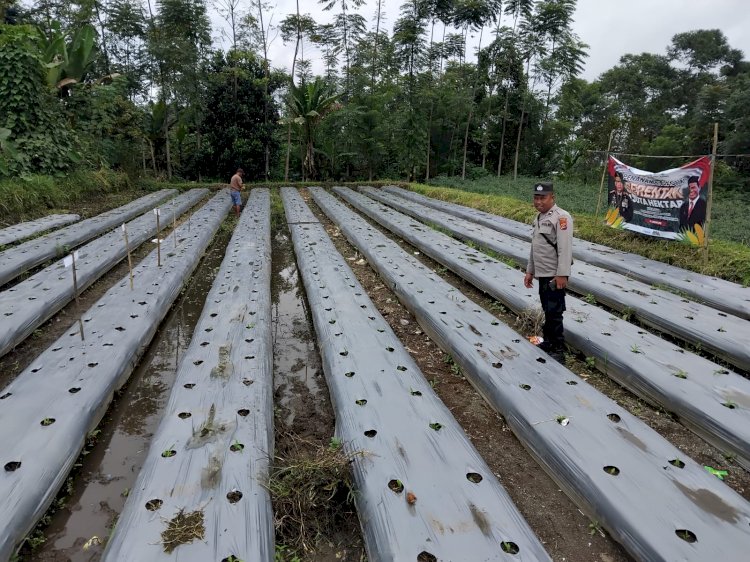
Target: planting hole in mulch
pixel 234 496
pixel 687 536
pixel 183 528
pixel 396 486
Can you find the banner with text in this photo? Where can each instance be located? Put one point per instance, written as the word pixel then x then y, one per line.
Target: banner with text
pixel 669 204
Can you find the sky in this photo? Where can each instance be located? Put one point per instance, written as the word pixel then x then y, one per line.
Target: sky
pixel 611 28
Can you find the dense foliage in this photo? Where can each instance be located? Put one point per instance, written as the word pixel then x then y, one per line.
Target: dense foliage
pixel 141 86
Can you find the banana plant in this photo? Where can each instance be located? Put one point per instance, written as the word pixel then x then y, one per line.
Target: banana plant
pixel 67 62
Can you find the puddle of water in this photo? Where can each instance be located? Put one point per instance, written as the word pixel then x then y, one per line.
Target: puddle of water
pixel 299 387
pixel 110 470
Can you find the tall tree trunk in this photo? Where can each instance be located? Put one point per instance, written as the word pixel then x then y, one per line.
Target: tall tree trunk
pixel 375 55
pixel 105 51
pixel 518 140
pixel 166 147
pixel 484 132
pixel 432 104
pixel 289 125
pixel 264 38
pixel 502 136
pixel 471 107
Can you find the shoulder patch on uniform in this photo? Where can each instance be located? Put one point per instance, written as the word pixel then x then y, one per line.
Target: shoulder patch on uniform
pixel 563 223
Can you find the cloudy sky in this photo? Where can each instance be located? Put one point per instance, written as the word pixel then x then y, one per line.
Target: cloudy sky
pixel 611 28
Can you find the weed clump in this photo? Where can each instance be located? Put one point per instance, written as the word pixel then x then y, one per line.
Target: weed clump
pixel 312 491
pixel 183 528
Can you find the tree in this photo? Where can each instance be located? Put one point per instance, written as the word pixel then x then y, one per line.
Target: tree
pixel 308 105
pixel 236 133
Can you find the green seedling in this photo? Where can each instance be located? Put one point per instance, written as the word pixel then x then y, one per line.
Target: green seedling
pixel 590 298
pixel 594 528
pixel 591 362
pixel 437 426
pixel 335 443
pixel 169 452
pixel 627 313
pixel 236 447
pixel 681 374
pixel 635 349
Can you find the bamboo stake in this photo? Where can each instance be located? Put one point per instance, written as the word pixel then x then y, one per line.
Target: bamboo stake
pixel 710 195
pixel 127 249
pixel 75 294
pixel 174 225
pixel 157 212
pixel 604 172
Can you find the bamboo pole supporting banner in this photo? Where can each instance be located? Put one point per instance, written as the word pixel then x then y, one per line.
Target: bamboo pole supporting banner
pixel 604 172
pixel 710 195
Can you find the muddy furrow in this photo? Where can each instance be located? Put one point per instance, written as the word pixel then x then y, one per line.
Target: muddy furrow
pixel 423 492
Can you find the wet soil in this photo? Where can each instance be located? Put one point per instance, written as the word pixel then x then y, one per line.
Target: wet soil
pixel 110 467
pixel 304 417
pixel 566 533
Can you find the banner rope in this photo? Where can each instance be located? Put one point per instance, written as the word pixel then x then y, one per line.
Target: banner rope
pixel 660 156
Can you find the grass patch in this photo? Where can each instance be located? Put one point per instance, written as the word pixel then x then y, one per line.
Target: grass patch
pixel 34 196
pixel 728 259
pixel 312 492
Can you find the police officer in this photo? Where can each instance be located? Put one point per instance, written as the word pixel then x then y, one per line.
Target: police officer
pixel 549 261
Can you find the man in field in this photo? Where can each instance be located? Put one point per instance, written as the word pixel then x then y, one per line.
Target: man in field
pixel 549 262
pixel 235 187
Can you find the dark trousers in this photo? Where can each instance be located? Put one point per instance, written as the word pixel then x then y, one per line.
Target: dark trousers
pixel 553 305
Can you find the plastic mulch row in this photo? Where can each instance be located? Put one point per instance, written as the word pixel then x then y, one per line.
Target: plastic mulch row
pixel 708 398
pixel 619 471
pixel 28 304
pixel 17 259
pixel 717 293
pixel 423 491
pixel 21 231
pixel 722 334
pixel 209 458
pixel 46 412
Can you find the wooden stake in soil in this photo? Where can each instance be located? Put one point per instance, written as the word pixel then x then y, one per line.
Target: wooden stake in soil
pixel 174 226
pixel 710 195
pixel 70 261
pixel 604 172
pixel 157 212
pixel 127 249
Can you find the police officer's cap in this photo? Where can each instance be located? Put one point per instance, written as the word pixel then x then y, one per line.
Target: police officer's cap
pixel 543 188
